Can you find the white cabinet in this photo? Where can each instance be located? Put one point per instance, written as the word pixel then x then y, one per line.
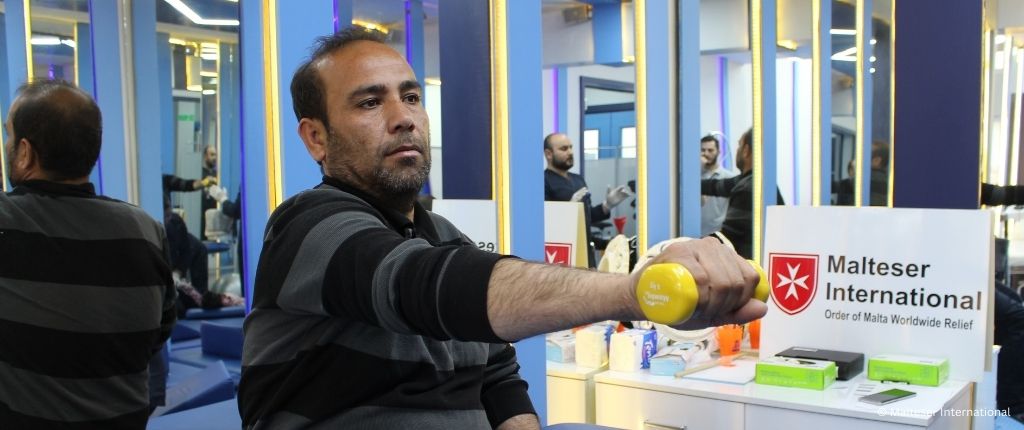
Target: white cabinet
pixel 632 408
pixel 570 393
pixel 646 402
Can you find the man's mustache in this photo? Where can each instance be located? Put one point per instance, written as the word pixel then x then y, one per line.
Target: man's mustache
pixel 405 143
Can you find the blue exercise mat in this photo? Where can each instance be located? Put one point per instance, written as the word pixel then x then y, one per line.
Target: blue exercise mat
pixel 208 314
pixel 222 339
pixel 195 357
pixel 211 385
pixel 222 415
pixel 182 332
pixel 180 372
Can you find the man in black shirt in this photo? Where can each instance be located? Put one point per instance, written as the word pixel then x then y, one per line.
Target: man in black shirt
pixel 371 312
pixel 561 185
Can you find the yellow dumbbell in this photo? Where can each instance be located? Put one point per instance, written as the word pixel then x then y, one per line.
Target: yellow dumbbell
pixel 668 293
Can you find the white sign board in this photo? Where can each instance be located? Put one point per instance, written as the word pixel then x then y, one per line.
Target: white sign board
pixel 881 280
pixel 565 242
pixel 477 219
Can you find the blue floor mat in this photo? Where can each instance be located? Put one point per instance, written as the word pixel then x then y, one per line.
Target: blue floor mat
pixel 222 415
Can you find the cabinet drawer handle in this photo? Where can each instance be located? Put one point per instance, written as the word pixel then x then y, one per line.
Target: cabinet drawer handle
pixel 655 426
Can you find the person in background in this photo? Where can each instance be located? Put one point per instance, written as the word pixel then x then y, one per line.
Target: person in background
pixel 879 195
pixel 739 219
pixel 844 188
pixel 561 185
pixel 371 312
pixel 712 209
pixel 86 297
pixel 209 172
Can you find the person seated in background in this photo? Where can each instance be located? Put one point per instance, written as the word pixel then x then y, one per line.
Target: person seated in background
pixel 188 254
pixel 739 219
pixel 561 185
pixel 86 297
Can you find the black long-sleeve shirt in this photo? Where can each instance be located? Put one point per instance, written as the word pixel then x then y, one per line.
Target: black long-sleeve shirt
pixel 558 188
pixel 739 218
pixel 364 319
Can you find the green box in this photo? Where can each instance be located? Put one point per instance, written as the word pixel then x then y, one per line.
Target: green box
pixel 926 371
pixel 796 372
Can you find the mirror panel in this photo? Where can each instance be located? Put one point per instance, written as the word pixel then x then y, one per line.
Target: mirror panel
pixel 880 68
pixel 795 94
pixel 844 102
pixel 726 85
pixel 200 139
pixel 589 81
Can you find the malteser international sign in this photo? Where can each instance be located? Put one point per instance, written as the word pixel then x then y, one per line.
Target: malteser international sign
pixel 880 280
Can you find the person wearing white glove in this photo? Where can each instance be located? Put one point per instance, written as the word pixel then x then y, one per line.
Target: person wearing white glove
pixel 561 185
pixel 616 195
pixel 217 193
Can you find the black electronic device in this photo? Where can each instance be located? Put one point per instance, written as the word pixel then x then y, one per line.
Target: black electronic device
pixel 887 396
pixel 849 364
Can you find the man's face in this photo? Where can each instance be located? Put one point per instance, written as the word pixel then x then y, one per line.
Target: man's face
pixel 210 157
pixel 560 153
pixel 709 154
pixel 744 155
pixel 378 136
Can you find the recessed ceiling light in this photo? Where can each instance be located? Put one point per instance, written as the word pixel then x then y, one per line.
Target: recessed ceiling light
pixel 195 18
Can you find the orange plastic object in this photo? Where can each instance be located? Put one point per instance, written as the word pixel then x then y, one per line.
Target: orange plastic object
pixel 729 338
pixel 755 333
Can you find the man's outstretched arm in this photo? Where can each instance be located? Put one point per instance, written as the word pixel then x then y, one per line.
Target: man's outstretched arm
pixel 526 299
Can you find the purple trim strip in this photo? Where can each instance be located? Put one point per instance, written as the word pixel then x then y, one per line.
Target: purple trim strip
pixel 408 34
pixel 796 158
pixel 555 95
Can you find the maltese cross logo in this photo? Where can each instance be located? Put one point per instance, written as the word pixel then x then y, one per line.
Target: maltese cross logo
pixel 794 280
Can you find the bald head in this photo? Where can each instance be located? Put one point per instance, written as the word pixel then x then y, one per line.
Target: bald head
pixel 558 152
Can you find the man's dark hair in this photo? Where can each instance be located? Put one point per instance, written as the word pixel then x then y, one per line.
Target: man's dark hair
pixel 63 124
pixel 308 100
pixel 710 138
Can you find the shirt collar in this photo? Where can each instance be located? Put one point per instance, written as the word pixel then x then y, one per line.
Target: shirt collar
pixel 421 226
pixel 39 186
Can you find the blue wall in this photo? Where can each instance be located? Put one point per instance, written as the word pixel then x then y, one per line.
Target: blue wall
pixel 297 27
pixel 938 88
pixel 148 112
pixel 253 135
pixel 688 45
pixel 607 25
pixel 466 106
pixel 109 96
pixel 526 189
